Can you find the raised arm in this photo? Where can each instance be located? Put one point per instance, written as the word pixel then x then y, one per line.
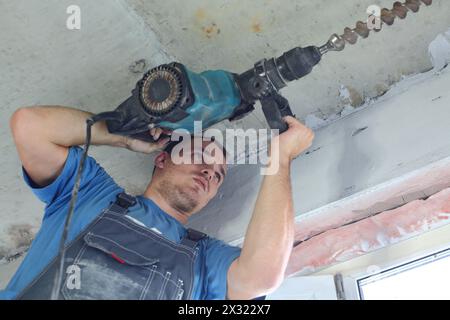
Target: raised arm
pixel 269 239
pixel 43 134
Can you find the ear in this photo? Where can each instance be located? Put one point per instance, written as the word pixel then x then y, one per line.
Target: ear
pixel 161 160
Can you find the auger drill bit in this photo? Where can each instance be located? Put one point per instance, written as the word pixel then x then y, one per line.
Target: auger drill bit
pixel 399 9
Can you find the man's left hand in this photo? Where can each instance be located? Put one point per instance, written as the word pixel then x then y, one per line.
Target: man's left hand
pixel 294 141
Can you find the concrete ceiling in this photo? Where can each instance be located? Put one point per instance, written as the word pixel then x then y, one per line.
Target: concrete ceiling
pixel 233 35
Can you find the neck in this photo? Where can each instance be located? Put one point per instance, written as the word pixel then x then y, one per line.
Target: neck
pixel 153 194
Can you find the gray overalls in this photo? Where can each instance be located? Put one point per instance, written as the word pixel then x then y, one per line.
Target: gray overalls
pixel 120 259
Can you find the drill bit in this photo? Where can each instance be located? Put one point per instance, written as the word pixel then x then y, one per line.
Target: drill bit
pixel 399 9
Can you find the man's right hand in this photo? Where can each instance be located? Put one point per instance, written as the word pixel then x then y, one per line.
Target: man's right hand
pixel 147 147
pixel 43 135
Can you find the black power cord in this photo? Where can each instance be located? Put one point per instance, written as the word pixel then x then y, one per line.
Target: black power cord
pixel 62 249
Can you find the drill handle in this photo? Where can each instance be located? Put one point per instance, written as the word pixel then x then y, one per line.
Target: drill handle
pixel 275 107
pixel 147 137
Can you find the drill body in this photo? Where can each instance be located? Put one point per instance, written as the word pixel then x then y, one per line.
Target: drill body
pixel 173 97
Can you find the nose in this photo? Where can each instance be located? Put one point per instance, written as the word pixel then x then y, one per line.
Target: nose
pixel 208 173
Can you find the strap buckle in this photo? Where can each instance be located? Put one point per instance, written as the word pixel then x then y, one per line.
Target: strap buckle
pixel 125 201
pixel 195 235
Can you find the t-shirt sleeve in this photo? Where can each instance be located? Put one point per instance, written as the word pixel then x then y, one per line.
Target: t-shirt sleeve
pixel 219 257
pixel 60 190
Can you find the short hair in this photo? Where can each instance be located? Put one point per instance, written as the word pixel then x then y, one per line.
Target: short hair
pixel 169 147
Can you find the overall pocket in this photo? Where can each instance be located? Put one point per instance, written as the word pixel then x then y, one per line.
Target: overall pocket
pixel 109 270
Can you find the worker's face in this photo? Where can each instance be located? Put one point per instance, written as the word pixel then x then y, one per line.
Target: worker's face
pixel 188 187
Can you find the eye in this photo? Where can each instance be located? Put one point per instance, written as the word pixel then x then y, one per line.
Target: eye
pixel 218 177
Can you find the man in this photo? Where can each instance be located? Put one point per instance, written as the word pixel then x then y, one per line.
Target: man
pixel 122 247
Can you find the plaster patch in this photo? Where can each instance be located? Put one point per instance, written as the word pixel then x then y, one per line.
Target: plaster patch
pixel 439 51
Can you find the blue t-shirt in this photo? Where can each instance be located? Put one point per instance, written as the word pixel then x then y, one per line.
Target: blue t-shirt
pixel 97 190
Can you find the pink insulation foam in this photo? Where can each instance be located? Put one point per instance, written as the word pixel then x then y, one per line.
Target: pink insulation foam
pixel 383 229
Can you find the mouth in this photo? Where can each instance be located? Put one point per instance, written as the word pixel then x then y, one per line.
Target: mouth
pixel 202 183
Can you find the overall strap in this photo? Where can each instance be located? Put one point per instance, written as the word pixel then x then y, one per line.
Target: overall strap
pixel 122 203
pixel 192 238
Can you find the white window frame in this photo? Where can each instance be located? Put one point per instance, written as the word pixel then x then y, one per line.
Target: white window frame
pixel 398 269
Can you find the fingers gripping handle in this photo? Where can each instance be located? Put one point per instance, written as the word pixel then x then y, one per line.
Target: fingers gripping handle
pixel 147 137
pixel 275 107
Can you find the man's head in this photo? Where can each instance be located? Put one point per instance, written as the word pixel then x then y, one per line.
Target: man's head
pixel 189 173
